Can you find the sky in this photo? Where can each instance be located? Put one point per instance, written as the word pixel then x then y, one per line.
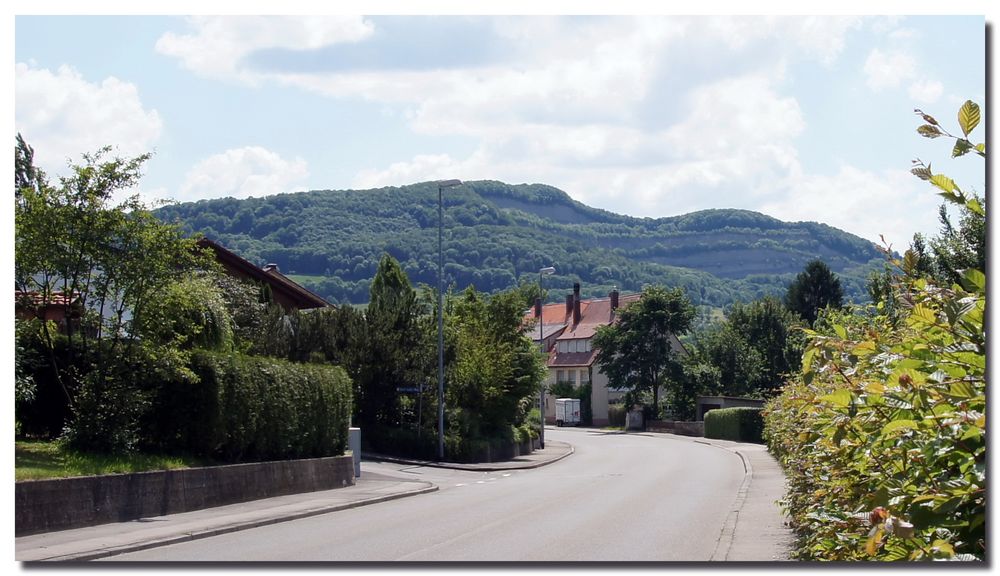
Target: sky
pixel 803 118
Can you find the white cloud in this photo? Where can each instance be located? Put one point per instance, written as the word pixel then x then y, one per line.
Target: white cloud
pixel 819 37
pixel 219 44
pixel 926 91
pixel 420 169
pixel 888 69
pixel 62 116
pixel 893 203
pixel 242 173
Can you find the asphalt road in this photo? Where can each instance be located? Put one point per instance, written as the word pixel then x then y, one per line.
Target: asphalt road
pixel 619 497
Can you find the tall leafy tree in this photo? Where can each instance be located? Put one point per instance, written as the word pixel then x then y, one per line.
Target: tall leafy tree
pixel 111 258
pixel 496 372
pixel 769 328
pixel 813 289
pixel 636 352
pixel 394 347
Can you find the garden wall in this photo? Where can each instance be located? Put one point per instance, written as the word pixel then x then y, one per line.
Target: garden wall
pixel 61 504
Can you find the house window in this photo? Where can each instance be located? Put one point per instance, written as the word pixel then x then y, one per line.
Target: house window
pixel 560 375
pixel 584 377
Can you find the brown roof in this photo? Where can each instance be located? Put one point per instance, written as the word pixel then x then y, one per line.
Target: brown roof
pixel 594 313
pixel 284 290
pixel 557 359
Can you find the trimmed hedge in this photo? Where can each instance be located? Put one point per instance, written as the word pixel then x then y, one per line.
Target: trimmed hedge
pixel 259 408
pixel 738 424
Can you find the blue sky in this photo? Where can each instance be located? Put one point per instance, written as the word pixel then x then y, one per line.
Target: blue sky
pixel 802 118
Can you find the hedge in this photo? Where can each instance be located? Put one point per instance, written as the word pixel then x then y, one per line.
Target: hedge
pixel 738 424
pixel 250 408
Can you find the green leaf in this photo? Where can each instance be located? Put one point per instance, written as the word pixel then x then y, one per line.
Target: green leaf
pixel 975 278
pixel 972 433
pixel 924 173
pixel 871 547
pixel 898 425
pixel 840 398
pixel 927 117
pixel 944 547
pixel 981 148
pixel 862 349
pixel 841 331
pixel 961 148
pixel 928 131
pixel 944 183
pixel 968 116
pixel 962 390
pixel 807 360
pixel 975 206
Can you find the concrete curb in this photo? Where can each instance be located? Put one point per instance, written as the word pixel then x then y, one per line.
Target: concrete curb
pixel 485 467
pixel 728 533
pixel 209 532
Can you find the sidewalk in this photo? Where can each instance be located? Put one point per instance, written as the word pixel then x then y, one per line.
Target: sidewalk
pixel 94 542
pixel 755 529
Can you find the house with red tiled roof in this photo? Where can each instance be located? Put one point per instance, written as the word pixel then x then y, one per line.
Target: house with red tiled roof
pixel 566 332
pixel 57 307
pixel 284 292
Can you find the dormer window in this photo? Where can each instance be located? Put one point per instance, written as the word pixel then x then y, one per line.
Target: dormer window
pixel 574 346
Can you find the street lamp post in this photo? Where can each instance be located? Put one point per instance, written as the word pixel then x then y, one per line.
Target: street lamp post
pixel 541 338
pixel 442 184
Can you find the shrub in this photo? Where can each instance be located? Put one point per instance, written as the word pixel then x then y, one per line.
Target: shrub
pixel 883 434
pixel 738 424
pixel 273 409
pixel 616 415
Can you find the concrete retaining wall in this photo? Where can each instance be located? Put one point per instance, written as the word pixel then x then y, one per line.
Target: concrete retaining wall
pixel 50 505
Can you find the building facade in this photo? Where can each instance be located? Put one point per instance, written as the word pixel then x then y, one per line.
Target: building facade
pixel 565 331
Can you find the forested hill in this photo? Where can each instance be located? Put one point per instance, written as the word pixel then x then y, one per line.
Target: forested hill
pixel 497 234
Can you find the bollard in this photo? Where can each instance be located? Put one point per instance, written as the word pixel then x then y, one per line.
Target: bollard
pixel 354 443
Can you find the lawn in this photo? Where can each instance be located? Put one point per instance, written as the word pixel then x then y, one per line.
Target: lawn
pixel 38 460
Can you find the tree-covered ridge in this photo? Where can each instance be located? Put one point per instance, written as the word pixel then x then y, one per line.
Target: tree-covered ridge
pixel 498 234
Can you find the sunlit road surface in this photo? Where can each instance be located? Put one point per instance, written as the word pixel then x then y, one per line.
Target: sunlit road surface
pixel 619 497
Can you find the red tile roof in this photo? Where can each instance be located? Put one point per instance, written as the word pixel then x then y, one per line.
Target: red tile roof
pixel 594 313
pixel 38 299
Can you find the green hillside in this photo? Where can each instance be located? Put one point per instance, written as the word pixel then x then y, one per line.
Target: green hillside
pixel 496 235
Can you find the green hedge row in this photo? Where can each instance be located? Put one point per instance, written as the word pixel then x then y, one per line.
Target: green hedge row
pixel 738 424
pixel 249 408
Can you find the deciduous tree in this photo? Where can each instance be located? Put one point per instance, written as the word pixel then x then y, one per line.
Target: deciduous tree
pixel 636 352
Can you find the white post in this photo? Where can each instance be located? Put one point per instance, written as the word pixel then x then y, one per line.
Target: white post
pixel 354 443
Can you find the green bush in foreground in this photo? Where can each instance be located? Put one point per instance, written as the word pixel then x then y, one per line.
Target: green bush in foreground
pixel 738 424
pixel 883 434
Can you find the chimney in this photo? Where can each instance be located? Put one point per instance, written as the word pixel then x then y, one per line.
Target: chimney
pixel 614 298
pixel 271 267
pixel 538 307
pixel 576 303
pixel 569 304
